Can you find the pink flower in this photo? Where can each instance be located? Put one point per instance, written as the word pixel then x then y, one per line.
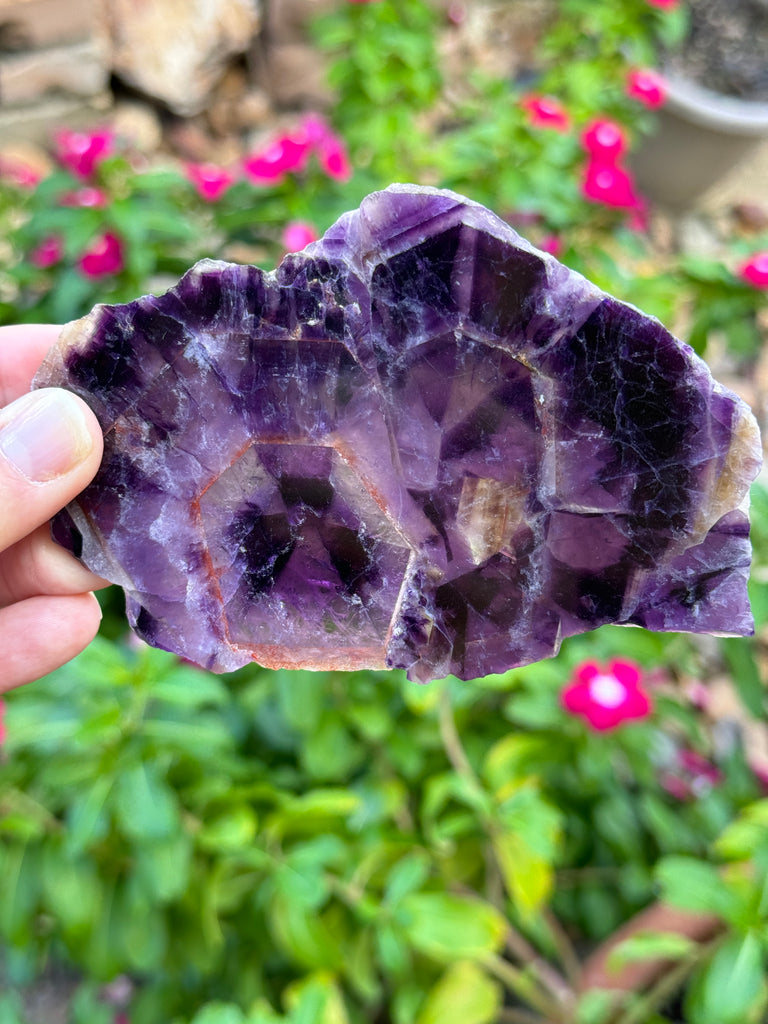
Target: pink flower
pixel 210 181
pixel 691 775
pixel 104 256
pixel 755 270
pixel 545 112
pixel 606 697
pixel 19 173
pixel 82 152
pixel 648 87
pixel 664 5
pixel 552 244
pixel 608 183
pixel 94 198
pixel 315 129
pixel 47 253
pixel 604 140
pixel 297 235
pixel 760 772
pixel 334 160
pixel 286 154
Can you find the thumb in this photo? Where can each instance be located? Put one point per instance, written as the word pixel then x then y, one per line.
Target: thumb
pixel 50 448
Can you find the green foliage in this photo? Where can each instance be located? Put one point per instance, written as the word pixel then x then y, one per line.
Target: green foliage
pixel 157 822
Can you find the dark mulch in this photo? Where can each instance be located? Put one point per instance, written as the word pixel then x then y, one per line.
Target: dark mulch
pixel 727 47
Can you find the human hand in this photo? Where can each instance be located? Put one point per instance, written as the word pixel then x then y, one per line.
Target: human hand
pixel 50 448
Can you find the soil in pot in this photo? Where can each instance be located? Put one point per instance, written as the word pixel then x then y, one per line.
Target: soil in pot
pixel 727 48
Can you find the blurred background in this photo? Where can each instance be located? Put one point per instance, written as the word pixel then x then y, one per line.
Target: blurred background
pixel 299 848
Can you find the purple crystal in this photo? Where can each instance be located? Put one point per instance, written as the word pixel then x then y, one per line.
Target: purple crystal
pixel 419 443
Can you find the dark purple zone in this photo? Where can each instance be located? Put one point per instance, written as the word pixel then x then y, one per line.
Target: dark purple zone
pixel 417 443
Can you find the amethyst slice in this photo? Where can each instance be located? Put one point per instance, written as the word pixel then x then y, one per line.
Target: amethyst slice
pixel 419 443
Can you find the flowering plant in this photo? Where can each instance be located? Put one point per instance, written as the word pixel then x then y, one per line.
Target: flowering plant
pixel 582 840
pixel 102 224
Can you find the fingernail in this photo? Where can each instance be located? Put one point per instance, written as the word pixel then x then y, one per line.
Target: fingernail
pixel 46 434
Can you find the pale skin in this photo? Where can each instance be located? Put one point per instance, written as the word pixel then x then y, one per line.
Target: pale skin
pixel 50 449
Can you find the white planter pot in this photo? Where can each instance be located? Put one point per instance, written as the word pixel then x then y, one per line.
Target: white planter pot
pixel 700 137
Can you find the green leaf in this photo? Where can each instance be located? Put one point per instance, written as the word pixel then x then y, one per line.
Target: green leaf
pixel 309 811
pixel 330 753
pixel 71 888
pixel 190 688
pixel 464 995
pixel 219 1013
pixel 11 1009
pixel 693 885
pixel 514 757
pixel 740 656
pixel 742 838
pixel 394 954
pixel 732 988
pixel 146 807
pixel 447 927
pixel 302 697
pixel 87 820
pixel 596 1006
pixel 650 945
pixel 408 874
pixel 229 831
pixel 525 841
pixel 302 933
pixel 316 999
pixel 163 866
pixel 528 878
pixel 19 890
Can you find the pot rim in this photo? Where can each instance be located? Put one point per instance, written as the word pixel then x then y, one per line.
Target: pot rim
pixel 728 114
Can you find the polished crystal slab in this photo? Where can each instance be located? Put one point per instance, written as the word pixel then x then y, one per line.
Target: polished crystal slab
pixel 420 443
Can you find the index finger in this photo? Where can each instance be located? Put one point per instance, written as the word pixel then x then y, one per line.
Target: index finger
pixel 22 349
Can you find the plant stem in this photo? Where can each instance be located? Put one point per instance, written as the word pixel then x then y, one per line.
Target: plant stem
pixel 666 986
pixel 565 950
pixel 545 973
pixel 452 742
pixel 511 1015
pixel 523 985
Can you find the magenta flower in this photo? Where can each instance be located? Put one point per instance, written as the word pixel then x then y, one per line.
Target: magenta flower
pixel 553 244
pixel 664 5
pixel 82 152
pixel 545 112
pixel 606 697
pixel 103 257
pixel 755 270
pixel 19 173
pixel 647 87
pixel 690 776
pixel 286 154
pixel 297 235
pixel 760 771
pixel 210 180
pixel 87 196
pixel 334 160
pixel 607 183
pixel 47 253
pixel 604 140
pixel 315 129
